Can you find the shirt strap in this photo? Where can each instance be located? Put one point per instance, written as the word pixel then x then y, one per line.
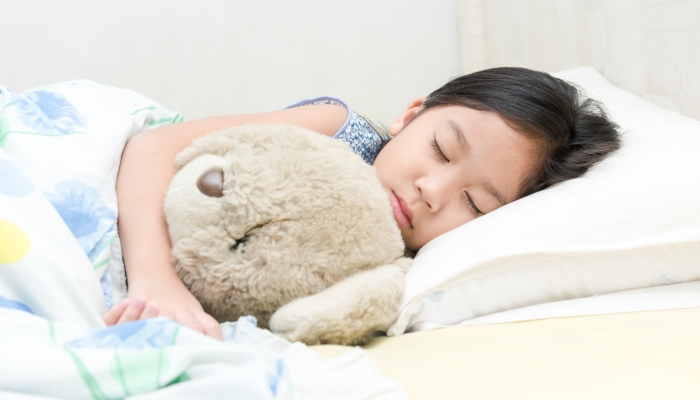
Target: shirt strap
pixel 326 100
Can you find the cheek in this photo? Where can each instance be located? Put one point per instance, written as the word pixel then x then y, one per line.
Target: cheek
pixel 388 164
pixel 437 225
pixel 382 171
pixel 450 221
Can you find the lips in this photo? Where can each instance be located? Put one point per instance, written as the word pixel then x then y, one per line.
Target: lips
pixel 402 213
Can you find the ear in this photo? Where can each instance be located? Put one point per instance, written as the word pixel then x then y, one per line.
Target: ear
pixel 411 111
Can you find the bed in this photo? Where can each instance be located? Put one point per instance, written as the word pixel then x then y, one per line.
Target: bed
pixel 643 355
pixel 608 309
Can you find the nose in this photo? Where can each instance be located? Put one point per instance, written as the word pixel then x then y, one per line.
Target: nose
pixel 433 191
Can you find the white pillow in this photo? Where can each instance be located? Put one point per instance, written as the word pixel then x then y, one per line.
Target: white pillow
pixel 632 221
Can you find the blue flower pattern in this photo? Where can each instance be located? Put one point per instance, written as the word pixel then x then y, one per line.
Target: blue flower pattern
pixel 88 217
pixel 363 138
pixel 138 335
pixel 47 112
pixel 15 305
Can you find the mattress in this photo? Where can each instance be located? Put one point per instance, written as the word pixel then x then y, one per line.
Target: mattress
pixel 640 355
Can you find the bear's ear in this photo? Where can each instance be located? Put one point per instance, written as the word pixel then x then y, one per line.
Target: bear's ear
pixel 185 156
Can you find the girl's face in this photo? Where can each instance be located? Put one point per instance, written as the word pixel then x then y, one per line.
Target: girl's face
pixel 449 166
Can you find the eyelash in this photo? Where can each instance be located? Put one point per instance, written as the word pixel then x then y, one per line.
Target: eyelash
pixel 470 202
pixel 438 151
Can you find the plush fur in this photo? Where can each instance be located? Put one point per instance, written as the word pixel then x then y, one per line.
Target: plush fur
pixel 303 237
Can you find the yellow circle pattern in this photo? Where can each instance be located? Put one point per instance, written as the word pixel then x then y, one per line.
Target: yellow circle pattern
pixel 14 243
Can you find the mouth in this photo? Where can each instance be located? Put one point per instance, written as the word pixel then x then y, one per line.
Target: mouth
pixel 402 213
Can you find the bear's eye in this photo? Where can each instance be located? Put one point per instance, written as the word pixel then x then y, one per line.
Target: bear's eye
pixel 239 242
pixel 211 183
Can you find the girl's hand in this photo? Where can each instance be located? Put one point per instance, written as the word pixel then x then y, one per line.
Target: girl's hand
pixel 172 300
pixel 129 310
pixel 174 303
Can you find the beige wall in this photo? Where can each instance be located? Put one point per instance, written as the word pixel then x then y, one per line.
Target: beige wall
pixel 215 57
pixel 649 47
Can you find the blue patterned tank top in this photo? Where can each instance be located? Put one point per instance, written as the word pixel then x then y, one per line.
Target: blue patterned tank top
pixel 363 138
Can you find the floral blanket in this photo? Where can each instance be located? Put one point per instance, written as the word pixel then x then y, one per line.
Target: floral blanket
pixel 63 145
pixel 60 269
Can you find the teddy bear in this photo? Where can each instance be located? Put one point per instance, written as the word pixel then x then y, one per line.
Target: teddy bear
pixel 289 226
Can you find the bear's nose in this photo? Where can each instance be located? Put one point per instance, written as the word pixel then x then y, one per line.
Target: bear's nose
pixel 211 183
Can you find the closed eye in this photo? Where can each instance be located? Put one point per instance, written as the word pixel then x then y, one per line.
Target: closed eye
pixel 240 242
pixel 438 151
pixel 471 204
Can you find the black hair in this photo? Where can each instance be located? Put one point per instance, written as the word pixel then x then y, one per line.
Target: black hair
pixel 573 132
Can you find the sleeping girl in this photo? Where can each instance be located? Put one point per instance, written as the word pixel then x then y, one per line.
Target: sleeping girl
pixel 481 141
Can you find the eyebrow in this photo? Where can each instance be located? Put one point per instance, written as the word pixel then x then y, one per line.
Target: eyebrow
pixel 459 135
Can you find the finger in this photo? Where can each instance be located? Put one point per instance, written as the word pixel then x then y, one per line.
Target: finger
pixel 151 310
pixel 209 324
pixel 134 310
pixel 114 313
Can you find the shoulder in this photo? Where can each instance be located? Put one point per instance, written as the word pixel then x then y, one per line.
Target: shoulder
pixel 361 135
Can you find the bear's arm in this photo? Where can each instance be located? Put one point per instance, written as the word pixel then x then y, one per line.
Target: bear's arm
pixel 348 312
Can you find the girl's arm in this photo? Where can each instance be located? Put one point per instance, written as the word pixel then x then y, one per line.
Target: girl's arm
pixel 147 167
